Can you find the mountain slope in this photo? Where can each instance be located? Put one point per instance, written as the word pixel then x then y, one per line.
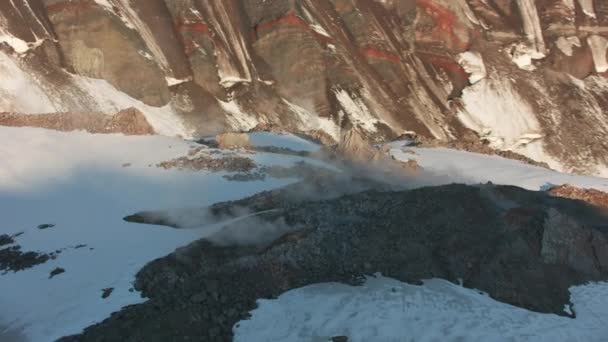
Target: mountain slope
pixel 522 75
pixel 64 195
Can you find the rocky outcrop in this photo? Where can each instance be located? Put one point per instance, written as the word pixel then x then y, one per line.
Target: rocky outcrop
pixel 591 196
pixel 523 248
pixel 524 76
pixel 128 122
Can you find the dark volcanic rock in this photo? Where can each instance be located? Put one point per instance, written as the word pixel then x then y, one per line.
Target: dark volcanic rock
pixel 523 248
pixel 6 240
pixel 45 226
pixel 105 293
pixel 15 260
pixel 56 271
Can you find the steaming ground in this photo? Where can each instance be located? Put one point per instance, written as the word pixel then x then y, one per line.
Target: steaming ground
pixel 85 184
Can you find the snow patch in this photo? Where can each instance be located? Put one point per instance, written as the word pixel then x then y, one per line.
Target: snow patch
pixel 496 111
pixel 309 121
pixel 523 56
pixel 570 4
pixel 110 100
pixel 599 45
pixel 171 82
pixel 19 45
pixel 566 45
pixel 472 63
pixel 237 119
pixel 320 30
pixel 475 168
pixel 284 140
pixel 314 24
pixel 356 110
pixel 19 91
pixel 384 309
pixel 25 92
pixel 230 81
pixel 500 115
pixel 105 4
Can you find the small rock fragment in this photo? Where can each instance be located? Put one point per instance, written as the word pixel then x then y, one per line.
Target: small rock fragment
pixel 45 226
pixel 56 271
pixel 105 293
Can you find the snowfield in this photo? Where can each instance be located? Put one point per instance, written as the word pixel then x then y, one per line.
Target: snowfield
pixel 475 168
pixel 77 182
pixel 386 310
pixel 85 184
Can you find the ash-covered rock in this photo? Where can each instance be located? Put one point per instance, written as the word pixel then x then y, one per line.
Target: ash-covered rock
pixel 521 247
pixel 6 240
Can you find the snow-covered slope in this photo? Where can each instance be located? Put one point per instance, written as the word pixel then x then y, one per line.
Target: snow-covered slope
pixel 386 310
pixel 85 184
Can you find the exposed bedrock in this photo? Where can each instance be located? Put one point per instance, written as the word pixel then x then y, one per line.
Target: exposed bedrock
pixel 495 71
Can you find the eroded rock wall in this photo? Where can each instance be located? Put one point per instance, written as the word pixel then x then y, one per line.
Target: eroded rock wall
pixel 524 76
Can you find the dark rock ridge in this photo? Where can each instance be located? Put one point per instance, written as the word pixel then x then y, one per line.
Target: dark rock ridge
pixel 525 75
pixel 523 248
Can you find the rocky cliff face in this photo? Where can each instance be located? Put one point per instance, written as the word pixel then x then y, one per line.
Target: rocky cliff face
pixel 521 75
